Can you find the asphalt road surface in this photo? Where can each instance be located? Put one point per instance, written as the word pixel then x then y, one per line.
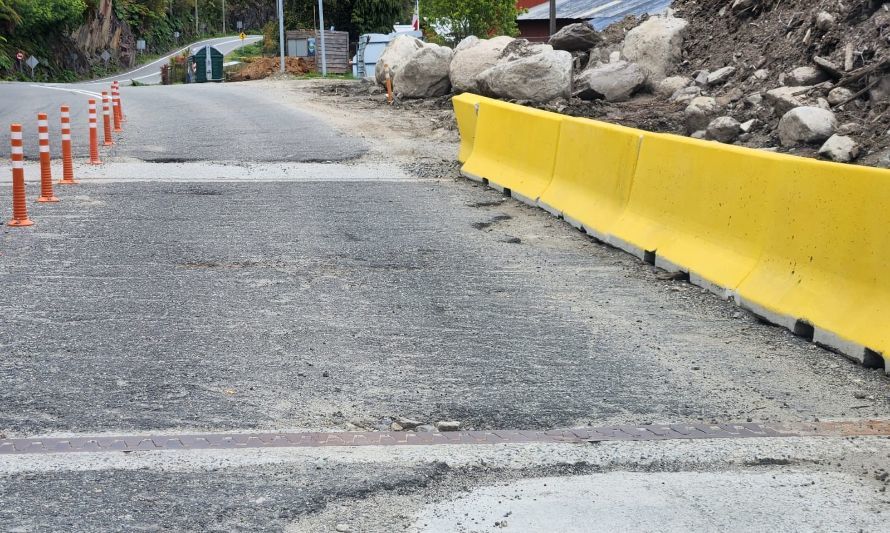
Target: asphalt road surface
pixel 253 258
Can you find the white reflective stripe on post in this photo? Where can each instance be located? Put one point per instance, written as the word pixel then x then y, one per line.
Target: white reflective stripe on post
pixel 18 150
pixel 16 136
pixel 66 136
pixel 44 148
pixel 66 114
pixel 43 123
pixel 93 125
pixel 18 164
pixel 43 136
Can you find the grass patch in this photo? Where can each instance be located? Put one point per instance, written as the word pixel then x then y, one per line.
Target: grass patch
pixel 246 52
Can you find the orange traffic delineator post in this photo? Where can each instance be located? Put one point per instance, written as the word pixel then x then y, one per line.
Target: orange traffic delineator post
pixel 67 159
pixel 94 135
pixel 19 204
pixel 120 106
pixel 106 118
pixel 46 172
pixel 116 110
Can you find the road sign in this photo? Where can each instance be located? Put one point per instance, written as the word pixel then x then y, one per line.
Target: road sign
pixel 140 45
pixel 242 36
pixel 32 62
pixel 105 56
pixel 239 24
pixel 20 56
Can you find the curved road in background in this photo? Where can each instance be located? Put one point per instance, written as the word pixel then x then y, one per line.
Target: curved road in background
pixel 150 73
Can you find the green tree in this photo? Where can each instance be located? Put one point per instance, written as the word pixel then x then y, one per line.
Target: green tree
pixel 376 16
pixel 41 16
pixel 456 19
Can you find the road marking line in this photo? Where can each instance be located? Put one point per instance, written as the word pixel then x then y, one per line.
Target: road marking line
pixel 68 89
pixel 229 441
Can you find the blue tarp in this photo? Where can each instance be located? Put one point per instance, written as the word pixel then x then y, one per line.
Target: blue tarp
pixel 600 13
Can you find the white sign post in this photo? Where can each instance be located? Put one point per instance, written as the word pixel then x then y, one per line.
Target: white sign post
pixel 208 64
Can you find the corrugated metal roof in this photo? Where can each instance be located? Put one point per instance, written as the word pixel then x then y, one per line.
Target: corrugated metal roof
pixel 600 13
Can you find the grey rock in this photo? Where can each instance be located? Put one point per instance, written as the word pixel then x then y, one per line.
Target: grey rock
pixel 849 128
pixel 700 112
pixel 343 528
pixel 448 425
pixel 761 74
pixel 701 78
pixel 838 95
pixel 805 76
pixel 425 73
pixel 656 45
pixel 539 78
pixel 670 85
pixel 686 94
pixel 724 129
pixel 425 428
pixel 840 148
pixel 823 103
pixel 748 125
pixel 395 426
pixel 466 43
pixel 407 423
pixel 574 37
pixel 754 100
pixel 470 61
pixel 522 48
pixel 743 6
pixel 614 82
pixel 615 57
pixel 824 20
pixel 783 99
pixel 806 125
pixel 700 134
pixel 720 76
pixel 395 55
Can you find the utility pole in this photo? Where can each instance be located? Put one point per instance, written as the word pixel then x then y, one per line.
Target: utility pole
pixel 196 17
pixel 281 33
pixel 552 17
pixel 224 17
pixel 324 58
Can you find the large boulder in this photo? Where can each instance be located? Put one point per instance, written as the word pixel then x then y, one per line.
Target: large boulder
pixel 575 37
pixel 471 58
pixel 668 86
pixel 539 77
pixel 425 73
pixel 700 112
pixel 724 129
pixel 656 45
pixel 806 125
pixel 614 82
pixel 395 55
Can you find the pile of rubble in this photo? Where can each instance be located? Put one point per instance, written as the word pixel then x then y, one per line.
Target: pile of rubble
pixel 259 68
pixel 810 78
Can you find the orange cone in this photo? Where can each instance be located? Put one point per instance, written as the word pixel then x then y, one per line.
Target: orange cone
pixel 19 205
pixel 106 118
pixel 94 135
pixel 120 106
pixel 67 160
pixel 116 110
pixel 46 172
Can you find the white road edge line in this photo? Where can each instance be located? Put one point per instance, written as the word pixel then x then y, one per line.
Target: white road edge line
pixel 166 58
pixel 69 90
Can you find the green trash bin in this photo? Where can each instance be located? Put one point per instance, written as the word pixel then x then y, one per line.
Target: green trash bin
pixel 208 65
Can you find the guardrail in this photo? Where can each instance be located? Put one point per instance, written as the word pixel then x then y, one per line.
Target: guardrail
pixel 801 243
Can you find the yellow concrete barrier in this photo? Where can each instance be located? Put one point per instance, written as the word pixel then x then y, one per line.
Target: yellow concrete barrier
pixel 466 108
pixel 802 243
pixel 825 269
pixel 595 164
pixel 515 148
pixel 699 207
